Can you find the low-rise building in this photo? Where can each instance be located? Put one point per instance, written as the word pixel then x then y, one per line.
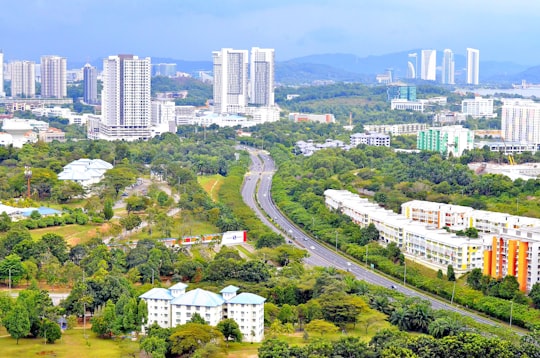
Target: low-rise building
pixel 174 306
pixel 85 171
pixel 373 139
pixel 396 129
pixel 404 105
pixel 312 117
pixel 478 107
pixel 52 134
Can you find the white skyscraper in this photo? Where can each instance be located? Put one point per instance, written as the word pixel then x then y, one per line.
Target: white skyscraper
pixel 428 67
pixel 2 92
pixel 473 66
pixel 261 89
pixel 448 67
pixel 230 80
pixel 125 99
pixel 53 77
pixel 23 79
pixel 412 67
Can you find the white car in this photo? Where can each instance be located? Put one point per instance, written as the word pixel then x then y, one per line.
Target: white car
pixel 312 247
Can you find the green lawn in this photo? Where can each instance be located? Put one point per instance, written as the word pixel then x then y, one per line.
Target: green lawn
pixel 72 344
pixel 73 234
pixel 211 184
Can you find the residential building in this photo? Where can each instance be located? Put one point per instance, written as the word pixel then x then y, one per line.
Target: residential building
pixel 312 117
pixel 396 129
pixel 125 100
pixel 52 134
pixel 402 91
pixel 261 83
pixel 456 217
pixel 230 81
pixel 520 121
pixel 163 112
pixel 428 66
pixel 412 67
pixel 448 66
pixel 310 147
pixel 85 171
pixel 184 114
pixel 23 79
pixel 473 66
pixel 449 140
pixel 448 118
pixel 478 107
pixel 90 84
pixel 53 77
pixel 174 306
pixel 2 92
pixel 514 252
pixel 430 246
pixel 373 139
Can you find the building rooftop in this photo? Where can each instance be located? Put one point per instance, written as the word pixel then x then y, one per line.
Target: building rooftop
pixel 229 289
pixel 179 285
pixel 157 294
pixel 247 299
pixel 199 297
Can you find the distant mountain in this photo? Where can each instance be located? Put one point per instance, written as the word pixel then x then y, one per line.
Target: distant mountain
pixel 307 73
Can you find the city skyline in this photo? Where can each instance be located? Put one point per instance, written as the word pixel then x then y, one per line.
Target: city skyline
pixel 294 28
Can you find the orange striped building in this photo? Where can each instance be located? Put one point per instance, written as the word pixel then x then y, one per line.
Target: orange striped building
pixel 514 252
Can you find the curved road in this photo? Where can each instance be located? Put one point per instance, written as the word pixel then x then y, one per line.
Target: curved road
pixel 259 180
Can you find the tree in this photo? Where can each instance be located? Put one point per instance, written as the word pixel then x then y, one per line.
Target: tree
pixel 154 346
pixel 103 322
pixel 444 326
pixel 450 273
pixel 534 294
pixel 108 212
pixel 17 322
pixel 474 279
pixel 321 327
pixel 274 348
pixel 12 268
pixel 131 221
pixel 197 318
pixel 230 330
pixel 188 337
pixel 50 331
pixel 440 274
pixel 118 178
pixel 56 245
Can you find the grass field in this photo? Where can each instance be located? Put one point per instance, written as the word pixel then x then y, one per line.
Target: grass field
pixel 211 184
pixel 73 234
pixel 72 344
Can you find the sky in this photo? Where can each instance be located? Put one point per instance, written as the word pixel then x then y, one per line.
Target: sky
pixel 84 30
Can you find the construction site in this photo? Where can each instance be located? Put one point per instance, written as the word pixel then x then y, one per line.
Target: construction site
pixel 513 171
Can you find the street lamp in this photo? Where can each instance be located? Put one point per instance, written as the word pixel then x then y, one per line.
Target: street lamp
pixel 405 273
pixel 28 176
pixel 453 293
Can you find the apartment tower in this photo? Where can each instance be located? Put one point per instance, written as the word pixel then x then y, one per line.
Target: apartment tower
pixel 2 92
pixel 53 77
pixel 448 67
pixel 23 79
pixel 473 66
pixel 125 99
pixel 90 84
pixel 230 80
pixel 261 84
pixel 428 66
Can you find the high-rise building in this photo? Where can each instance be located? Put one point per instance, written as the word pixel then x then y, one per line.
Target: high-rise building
pixel 520 121
pixel 261 91
pixel 446 140
pixel 90 84
pixel 448 67
pixel 2 93
pixel 53 77
pixel 412 68
pixel 164 69
pixel 399 90
pixel 125 99
pixel 230 80
pixel 428 67
pixel 23 79
pixel 473 66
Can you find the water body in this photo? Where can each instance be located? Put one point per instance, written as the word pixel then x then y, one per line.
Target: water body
pixel 525 92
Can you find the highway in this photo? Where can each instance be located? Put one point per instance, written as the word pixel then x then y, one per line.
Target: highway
pixel 259 179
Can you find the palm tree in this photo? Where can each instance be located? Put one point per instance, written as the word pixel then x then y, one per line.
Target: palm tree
pixel 400 318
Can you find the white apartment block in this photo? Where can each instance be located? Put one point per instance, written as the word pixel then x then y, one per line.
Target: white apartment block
pixel 473 66
pixel 432 247
pixel 396 129
pixel 53 77
pixel 230 81
pixel 125 100
pixel 520 121
pixel 428 65
pixel 23 79
pixel 478 107
pixel 184 115
pixel 261 83
pixel 448 67
pixel 458 217
pixel 174 306
pixel 373 139
pixel 163 112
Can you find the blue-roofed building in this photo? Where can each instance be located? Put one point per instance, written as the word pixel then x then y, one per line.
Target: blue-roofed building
pixel 174 306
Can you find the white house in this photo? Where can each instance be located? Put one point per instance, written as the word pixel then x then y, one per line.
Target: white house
pixel 174 306
pixel 85 171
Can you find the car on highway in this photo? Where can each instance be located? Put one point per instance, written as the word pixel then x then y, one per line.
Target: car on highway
pixel 312 247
